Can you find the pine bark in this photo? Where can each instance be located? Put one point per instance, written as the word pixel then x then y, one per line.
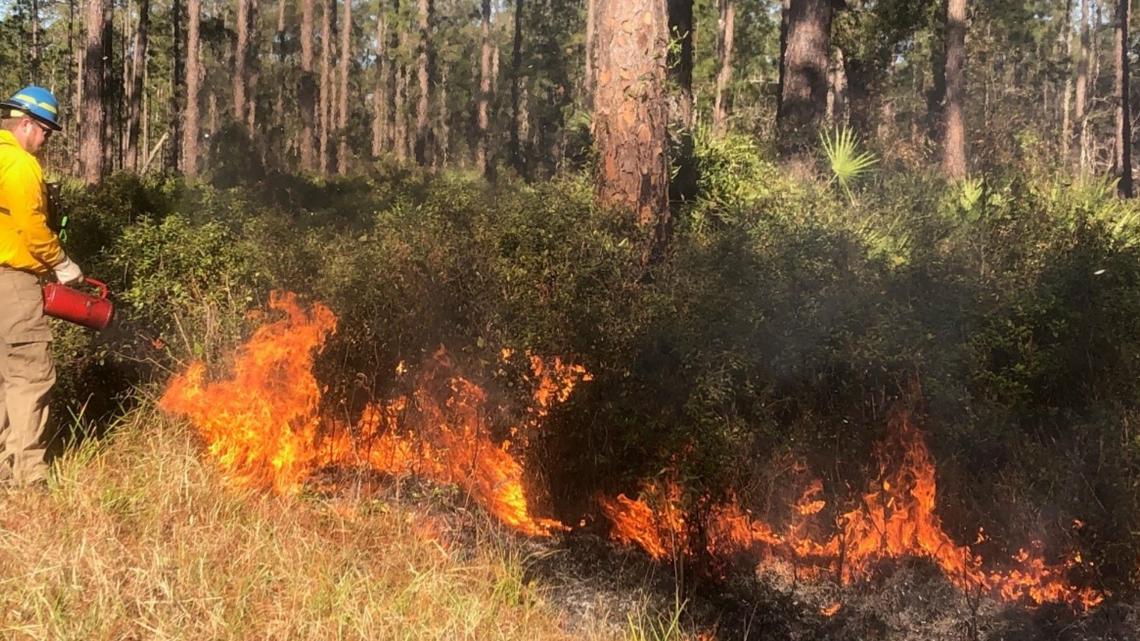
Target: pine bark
pixel 954 144
pixel 138 75
pixel 307 93
pixel 92 124
pixel 1123 102
pixel 342 95
pixel 425 81
pixel 193 80
pixel 803 102
pixel 726 27
pixel 630 113
pixel 483 115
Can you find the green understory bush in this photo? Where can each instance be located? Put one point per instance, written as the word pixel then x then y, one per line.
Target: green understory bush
pixel 786 322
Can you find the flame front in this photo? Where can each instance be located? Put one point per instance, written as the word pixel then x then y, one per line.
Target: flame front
pixel 895 519
pixel 263 425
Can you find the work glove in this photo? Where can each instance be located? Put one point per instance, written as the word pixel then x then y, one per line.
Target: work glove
pixel 66 272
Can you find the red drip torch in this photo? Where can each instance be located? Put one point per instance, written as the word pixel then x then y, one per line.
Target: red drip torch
pixel 79 307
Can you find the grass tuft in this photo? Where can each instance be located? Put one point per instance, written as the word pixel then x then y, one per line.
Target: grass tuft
pixel 137 537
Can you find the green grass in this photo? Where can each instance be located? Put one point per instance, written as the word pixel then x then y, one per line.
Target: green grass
pixel 137 537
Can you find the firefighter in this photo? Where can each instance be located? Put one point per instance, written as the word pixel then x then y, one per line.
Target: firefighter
pixel 29 253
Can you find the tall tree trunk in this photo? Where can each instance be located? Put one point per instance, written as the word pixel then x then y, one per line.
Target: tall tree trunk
pixel 1080 115
pixel 1067 92
pixel 1123 103
pixel 516 80
pixel 631 115
pixel 307 93
pixel 138 73
pixel 483 115
pixel 91 130
pixel 177 88
pixel 342 107
pixel 837 96
pixel 423 75
pixel 380 95
pixel 726 27
pixel 803 104
pixel 442 134
pixel 401 124
pixel 193 83
pixel 239 75
pixel 395 43
pixel 327 8
pixel 252 70
pixel 954 145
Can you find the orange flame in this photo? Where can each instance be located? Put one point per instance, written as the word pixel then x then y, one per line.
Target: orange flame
pixel 263 427
pixel 659 533
pixel 895 519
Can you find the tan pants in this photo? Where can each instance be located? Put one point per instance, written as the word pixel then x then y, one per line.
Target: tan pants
pixel 26 377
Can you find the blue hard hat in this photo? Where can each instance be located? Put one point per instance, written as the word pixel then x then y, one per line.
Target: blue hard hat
pixel 38 103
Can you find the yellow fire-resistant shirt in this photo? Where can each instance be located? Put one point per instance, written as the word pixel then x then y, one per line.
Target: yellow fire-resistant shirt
pixel 25 241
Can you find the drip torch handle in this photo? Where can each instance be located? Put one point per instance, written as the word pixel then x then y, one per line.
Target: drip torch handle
pixel 103 289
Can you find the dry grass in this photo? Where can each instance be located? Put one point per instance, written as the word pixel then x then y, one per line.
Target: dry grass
pixel 138 538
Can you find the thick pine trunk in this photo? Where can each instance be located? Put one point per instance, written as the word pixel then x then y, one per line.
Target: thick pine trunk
pixel 630 112
pixel 483 115
pixel 193 79
pixel 425 81
pixel 138 75
pixel 91 130
pixel 1123 103
pixel 954 143
pixel 342 106
pixel 307 93
pixel 726 27
pixel 803 102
